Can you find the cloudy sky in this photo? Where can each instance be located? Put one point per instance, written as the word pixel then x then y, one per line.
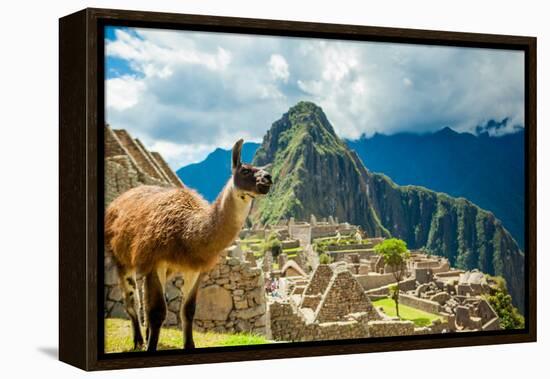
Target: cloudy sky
pixel 186 93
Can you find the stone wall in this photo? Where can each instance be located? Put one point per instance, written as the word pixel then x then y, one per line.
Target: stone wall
pixel 485 311
pixel 374 280
pixel 493 324
pixel 437 327
pixel 356 246
pixel 319 281
pixel 290 244
pixel 121 175
pixel 123 156
pixel 328 230
pixel 301 233
pixel 404 285
pixel 339 255
pixel 287 325
pixel 419 303
pixel 384 328
pixel 231 298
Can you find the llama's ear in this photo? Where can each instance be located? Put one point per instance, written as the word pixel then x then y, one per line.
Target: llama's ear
pixel 236 162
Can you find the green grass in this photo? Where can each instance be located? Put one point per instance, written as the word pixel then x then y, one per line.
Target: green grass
pixel 348 251
pixel 251 244
pixel 346 238
pixel 420 318
pixel 292 250
pixel 118 338
pixel 252 240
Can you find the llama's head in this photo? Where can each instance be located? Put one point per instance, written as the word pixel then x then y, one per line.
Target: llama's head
pixel 247 178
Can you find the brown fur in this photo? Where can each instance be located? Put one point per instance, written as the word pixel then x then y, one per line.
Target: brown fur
pixel 155 231
pixel 148 225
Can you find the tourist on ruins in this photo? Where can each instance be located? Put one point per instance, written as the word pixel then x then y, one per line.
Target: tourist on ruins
pixel 267 285
pixel 273 285
pixel 358 237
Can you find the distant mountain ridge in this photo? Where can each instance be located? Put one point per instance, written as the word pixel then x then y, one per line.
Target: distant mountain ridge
pixel 209 176
pixel 315 172
pixel 489 171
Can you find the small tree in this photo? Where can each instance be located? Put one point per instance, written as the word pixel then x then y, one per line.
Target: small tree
pixel 394 295
pixel 273 245
pixel 395 254
pixel 501 301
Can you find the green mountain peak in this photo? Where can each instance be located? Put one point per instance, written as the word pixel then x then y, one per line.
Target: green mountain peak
pixel 308 162
pixel 303 125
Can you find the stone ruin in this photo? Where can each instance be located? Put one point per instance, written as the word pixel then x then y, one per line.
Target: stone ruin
pixel 429 285
pixel 129 164
pixel 231 297
pixel 331 306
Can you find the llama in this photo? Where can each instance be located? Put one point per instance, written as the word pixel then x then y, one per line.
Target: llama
pixel 155 232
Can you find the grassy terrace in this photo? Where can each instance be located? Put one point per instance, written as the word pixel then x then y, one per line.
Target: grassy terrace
pixel 349 251
pixel 345 239
pixel 420 318
pixel 252 240
pixel 118 338
pixel 292 250
pixel 291 253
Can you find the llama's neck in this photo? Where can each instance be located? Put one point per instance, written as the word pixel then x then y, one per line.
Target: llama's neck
pixel 227 217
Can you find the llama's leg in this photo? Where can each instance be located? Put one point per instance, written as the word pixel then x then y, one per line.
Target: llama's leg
pixel 188 305
pixel 155 308
pixel 131 301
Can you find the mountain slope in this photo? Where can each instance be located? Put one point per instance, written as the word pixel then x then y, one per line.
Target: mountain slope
pixel 316 173
pixel 486 170
pixel 209 176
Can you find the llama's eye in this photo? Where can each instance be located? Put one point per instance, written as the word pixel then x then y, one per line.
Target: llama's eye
pixel 245 171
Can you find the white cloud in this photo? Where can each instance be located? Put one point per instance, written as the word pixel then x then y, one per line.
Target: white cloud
pixel 123 92
pixel 278 67
pixel 182 155
pixel 191 91
pixel 158 59
pixel 338 61
pixel 387 88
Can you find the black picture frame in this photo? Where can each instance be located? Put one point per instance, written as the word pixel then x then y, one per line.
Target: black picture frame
pixel 81 110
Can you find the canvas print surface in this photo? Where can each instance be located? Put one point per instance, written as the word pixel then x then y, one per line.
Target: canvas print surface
pixel 264 189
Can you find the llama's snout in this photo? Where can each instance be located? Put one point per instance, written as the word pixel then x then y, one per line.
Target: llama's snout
pixel 266 179
pixel 263 182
